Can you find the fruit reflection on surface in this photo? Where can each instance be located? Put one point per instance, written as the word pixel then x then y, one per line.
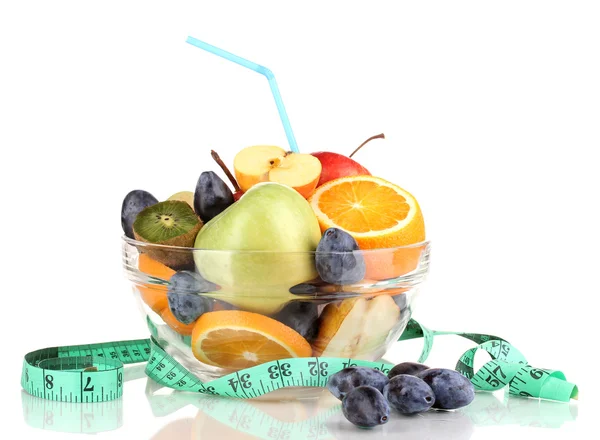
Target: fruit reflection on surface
pixel 322 418
pixel 266 163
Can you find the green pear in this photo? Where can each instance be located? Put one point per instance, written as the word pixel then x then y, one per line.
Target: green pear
pixel 275 231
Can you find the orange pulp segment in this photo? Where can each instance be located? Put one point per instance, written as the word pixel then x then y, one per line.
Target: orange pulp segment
pixel 378 214
pixel 236 339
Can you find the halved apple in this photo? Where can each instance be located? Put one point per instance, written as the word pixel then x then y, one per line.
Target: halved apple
pixel 268 163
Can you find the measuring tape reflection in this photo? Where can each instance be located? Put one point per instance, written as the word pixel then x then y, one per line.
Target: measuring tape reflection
pixel 94 373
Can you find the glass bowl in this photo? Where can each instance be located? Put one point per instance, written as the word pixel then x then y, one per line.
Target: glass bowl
pixel 282 295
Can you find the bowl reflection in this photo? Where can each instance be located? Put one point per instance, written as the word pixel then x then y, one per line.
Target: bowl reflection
pixel 322 418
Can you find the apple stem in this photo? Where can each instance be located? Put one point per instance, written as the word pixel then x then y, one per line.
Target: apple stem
pixel 377 136
pixel 220 162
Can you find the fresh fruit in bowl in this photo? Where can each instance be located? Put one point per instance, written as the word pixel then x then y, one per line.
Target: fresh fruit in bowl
pixel 266 163
pixel 302 255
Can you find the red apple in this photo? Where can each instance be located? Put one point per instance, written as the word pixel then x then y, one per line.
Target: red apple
pixel 336 165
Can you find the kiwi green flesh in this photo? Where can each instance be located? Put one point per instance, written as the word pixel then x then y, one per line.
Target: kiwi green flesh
pixel 171 222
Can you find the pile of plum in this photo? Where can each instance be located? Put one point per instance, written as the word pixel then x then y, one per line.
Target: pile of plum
pixel 410 388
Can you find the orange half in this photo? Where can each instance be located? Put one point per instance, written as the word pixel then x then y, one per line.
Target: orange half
pixel 237 339
pixel 378 214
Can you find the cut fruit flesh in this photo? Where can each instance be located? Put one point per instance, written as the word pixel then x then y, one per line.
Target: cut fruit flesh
pixel 252 164
pixel 381 317
pixel 356 327
pixel 236 339
pixel 300 171
pixel 166 221
pixel 340 329
pixel 171 223
pixel 379 215
pixel 266 163
pixel 374 211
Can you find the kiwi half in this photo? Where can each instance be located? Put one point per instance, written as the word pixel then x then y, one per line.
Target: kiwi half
pixel 171 223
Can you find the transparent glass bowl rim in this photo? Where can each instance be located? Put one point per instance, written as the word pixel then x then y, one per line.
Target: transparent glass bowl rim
pixel 143 244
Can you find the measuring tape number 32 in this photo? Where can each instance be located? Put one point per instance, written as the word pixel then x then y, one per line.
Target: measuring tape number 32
pixel 94 373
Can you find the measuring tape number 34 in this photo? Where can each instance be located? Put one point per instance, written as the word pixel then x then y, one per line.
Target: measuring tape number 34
pixel 94 373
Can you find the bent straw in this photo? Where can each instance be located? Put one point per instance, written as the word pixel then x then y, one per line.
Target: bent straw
pixel 263 71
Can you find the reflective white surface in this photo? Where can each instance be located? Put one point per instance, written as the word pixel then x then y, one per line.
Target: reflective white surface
pixel 177 415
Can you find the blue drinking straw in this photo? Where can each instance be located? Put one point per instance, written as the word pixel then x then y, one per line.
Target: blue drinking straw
pixel 263 71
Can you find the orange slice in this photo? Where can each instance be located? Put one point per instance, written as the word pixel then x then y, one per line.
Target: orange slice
pixel 237 339
pixel 378 214
pixel 155 295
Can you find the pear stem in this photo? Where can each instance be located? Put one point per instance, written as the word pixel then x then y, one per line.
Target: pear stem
pixel 220 162
pixel 377 136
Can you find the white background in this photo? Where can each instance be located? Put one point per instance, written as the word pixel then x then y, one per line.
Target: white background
pixel 491 112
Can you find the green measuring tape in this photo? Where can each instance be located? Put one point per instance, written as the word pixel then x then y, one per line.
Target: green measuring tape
pixel 94 373
pixel 302 420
